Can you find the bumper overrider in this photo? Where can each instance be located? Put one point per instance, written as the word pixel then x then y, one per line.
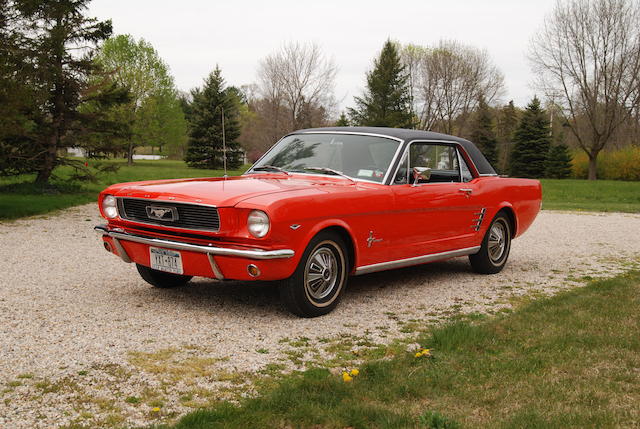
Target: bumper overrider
pixel 229 263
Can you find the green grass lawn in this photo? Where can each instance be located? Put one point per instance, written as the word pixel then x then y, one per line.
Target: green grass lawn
pixel 19 197
pixel 567 361
pixel 599 195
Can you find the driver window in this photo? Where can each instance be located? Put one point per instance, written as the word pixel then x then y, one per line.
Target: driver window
pixel 441 159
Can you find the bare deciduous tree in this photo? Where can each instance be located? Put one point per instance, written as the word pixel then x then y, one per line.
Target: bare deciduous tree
pixel 587 56
pixel 298 79
pixel 449 80
pixel 412 57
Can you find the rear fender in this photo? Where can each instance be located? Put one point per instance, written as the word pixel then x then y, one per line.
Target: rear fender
pixel 507 207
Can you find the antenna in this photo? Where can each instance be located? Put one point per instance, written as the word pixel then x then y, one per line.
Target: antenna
pixel 224 145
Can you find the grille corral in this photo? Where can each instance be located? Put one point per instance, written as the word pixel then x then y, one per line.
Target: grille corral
pixel 190 216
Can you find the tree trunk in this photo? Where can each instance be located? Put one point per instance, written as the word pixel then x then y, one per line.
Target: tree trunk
pixel 48 161
pixel 130 153
pixel 58 129
pixel 593 166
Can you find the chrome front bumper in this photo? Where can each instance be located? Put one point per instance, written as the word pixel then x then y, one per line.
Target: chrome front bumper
pixel 118 234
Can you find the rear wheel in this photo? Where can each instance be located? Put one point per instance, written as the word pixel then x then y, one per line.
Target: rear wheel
pixel 161 279
pixel 495 248
pixel 317 284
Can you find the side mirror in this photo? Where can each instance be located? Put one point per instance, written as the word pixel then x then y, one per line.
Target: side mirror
pixel 421 173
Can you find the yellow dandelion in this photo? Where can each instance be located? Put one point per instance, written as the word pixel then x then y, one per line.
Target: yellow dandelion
pixel 354 372
pixel 156 409
pixel 346 377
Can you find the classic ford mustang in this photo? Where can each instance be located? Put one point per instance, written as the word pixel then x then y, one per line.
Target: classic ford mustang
pixel 321 205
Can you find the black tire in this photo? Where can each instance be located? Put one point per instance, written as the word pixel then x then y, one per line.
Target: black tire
pixel 161 279
pixel 495 248
pixel 326 259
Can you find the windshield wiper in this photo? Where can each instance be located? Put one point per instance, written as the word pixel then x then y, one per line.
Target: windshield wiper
pixel 270 168
pixel 330 171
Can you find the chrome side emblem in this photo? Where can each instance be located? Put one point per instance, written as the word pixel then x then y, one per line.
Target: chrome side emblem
pixel 372 239
pixel 165 214
pixel 294 226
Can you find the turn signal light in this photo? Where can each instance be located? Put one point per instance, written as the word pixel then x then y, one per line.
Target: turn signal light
pixel 253 270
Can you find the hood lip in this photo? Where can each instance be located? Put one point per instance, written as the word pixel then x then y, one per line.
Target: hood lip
pixel 140 190
pixel 167 201
pixel 154 197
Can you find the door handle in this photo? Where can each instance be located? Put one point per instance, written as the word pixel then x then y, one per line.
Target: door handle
pixel 467 191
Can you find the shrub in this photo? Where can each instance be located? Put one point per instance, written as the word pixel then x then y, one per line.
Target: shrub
pixel 621 164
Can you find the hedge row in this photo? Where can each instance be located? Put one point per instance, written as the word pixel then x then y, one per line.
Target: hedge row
pixel 622 164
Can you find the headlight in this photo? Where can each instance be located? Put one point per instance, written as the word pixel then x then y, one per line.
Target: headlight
pixel 258 223
pixel 109 206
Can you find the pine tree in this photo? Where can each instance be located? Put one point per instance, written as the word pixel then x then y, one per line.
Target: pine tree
pixel 532 141
pixel 506 125
pixel 483 134
pixel 55 76
pixel 558 163
pixel 205 147
pixel 386 101
pixel 18 99
pixel 342 121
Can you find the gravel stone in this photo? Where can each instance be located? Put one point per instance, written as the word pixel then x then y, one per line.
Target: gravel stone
pixel 84 340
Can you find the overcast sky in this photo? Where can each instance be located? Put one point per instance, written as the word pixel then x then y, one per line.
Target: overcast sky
pixel 192 36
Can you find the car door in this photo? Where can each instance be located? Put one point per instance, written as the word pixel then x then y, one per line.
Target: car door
pixel 437 214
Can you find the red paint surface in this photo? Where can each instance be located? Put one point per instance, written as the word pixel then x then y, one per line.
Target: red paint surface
pixel 410 220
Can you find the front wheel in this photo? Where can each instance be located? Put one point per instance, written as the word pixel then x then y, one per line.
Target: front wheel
pixel 315 287
pixel 161 279
pixel 496 244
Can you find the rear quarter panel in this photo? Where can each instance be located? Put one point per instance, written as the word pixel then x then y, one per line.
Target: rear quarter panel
pixel 522 196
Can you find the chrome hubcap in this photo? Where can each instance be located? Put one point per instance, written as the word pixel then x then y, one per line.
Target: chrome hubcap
pixel 497 241
pixel 321 274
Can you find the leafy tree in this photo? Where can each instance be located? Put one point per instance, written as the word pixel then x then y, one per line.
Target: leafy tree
pixel 342 121
pixel 167 125
pixel 558 163
pixel 154 109
pixel 532 141
pixel 205 147
pixel 386 101
pixel 506 125
pixel 54 80
pixel 483 134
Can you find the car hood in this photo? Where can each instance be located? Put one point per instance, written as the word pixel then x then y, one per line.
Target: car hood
pixel 224 192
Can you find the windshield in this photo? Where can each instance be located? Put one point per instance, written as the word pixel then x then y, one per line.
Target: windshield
pixel 356 156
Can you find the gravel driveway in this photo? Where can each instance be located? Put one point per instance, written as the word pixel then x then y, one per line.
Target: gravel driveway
pixel 83 340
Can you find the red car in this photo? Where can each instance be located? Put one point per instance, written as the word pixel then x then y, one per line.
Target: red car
pixel 321 205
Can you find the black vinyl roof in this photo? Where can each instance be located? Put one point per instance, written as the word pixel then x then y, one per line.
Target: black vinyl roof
pixel 477 157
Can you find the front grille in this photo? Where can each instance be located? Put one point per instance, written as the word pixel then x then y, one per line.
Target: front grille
pixel 190 216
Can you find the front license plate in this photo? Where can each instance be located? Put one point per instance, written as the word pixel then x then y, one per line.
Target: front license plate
pixel 165 260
